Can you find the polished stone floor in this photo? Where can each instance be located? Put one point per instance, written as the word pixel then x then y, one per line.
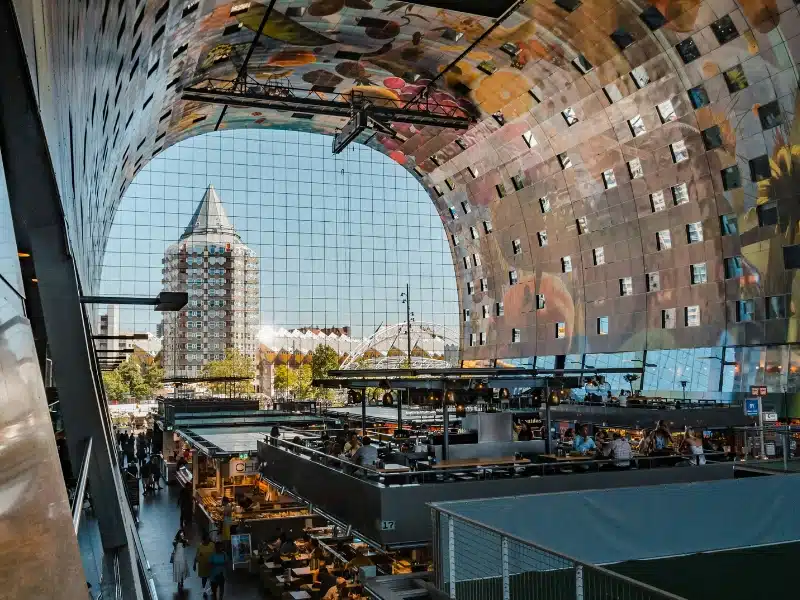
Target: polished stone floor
pixel 158 518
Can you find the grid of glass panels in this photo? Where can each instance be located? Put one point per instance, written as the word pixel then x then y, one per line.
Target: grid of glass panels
pixel 338 237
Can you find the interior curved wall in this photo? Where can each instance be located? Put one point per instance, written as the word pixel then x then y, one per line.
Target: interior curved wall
pixel 117 70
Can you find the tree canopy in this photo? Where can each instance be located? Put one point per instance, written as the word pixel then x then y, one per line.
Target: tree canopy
pixel 323 360
pixel 235 364
pixel 138 377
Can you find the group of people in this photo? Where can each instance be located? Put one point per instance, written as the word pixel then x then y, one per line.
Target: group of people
pixel 141 463
pixel 209 564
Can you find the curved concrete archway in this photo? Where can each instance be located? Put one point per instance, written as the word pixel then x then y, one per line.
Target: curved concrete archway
pixel 561 199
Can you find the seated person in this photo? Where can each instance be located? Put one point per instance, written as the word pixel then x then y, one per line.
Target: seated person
pixel 582 442
pixel 620 450
pixel 352 444
pixel 367 454
pixel 359 560
pixel 317 559
pixel 338 591
pixel 287 546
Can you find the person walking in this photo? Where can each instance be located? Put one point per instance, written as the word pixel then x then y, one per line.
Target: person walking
pixel 202 564
pixel 217 571
pixel 186 504
pixel 180 566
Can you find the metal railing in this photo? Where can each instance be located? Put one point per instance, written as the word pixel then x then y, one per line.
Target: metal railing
pixel 444 474
pixel 475 562
pixel 80 490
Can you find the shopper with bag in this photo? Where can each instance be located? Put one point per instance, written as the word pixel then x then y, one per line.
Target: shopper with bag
pixel 201 560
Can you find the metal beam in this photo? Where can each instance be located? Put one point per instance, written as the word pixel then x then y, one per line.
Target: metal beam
pixel 128 336
pixel 119 351
pixel 164 302
pixel 285 98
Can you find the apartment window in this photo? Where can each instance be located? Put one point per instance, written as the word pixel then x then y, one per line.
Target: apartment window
pixel 466 262
pixel 518 182
pixel 664 240
pixel 516 336
pixel 536 93
pixel 568 5
pixel 768 214
pixel 635 168
pixel 583 65
pixel 476 260
pixel 640 77
pixel 666 111
pixel 729 224
pixel 680 194
pixel 569 116
pixel 724 29
pixel 698 96
pixel 487 226
pixel 542 235
pixel 530 141
pixel 473 232
pixel 499 309
pixel 473 171
pixel 609 180
pixel 731 178
pixel 735 79
pixel 472 339
pixel 598 255
pixel 694 232
pixel 540 301
pixel 453 212
pixel 712 137
pixel 501 190
pixel 564 160
pixel 484 284
pixel 626 286
pixel 776 307
pixel 653 282
pixel 466 208
pixel 688 51
pixel 561 330
pixel 438 191
pixel 733 267
pixel 455 239
pixel 745 310
pixel 679 151
pixel 622 38
pixel 485 310
pixel 450 182
pixel 466 315
pixel 544 204
pixel 759 168
pixel 668 318
pixel 612 93
pixel 470 287
pixel 513 278
pixel 770 115
pixel 699 273
pixel 566 264
pixel 692 316
pixel 582 224
pixel 636 125
pixel 602 325
pixel 482 338
pixel 516 245
pixel 657 201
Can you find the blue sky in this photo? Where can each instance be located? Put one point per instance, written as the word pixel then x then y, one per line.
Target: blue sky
pixel 338 236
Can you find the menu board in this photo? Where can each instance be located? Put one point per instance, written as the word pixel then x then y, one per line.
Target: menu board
pixel 240 549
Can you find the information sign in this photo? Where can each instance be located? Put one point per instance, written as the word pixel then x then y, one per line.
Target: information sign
pixel 751 407
pixel 240 549
pixel 387 525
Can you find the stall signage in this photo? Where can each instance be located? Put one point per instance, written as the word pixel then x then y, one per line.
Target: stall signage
pixel 751 407
pixel 770 417
pixel 758 390
pixel 242 467
pixel 240 549
pixel 387 525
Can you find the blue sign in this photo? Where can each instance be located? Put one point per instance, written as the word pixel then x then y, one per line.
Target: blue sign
pixel 751 407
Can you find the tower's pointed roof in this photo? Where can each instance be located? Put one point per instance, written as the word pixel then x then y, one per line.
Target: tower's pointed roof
pixel 209 217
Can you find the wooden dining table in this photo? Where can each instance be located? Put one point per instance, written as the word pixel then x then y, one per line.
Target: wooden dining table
pixel 568 457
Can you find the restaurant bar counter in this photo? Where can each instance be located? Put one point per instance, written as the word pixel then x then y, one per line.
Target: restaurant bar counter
pixel 258 509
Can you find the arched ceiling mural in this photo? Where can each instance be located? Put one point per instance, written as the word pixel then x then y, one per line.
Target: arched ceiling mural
pixel 622 152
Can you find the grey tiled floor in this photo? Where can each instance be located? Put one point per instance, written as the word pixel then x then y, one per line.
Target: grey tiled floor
pixel 158 516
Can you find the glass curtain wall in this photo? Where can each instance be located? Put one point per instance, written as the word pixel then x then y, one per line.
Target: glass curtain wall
pixel 337 237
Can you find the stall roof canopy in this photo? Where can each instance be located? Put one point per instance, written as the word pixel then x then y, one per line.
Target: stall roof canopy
pixel 617 525
pixel 218 441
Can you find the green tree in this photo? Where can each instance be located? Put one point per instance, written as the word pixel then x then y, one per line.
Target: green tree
pixel 302 385
pixel 235 364
pixel 116 390
pixel 130 372
pixel 323 359
pixel 284 379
